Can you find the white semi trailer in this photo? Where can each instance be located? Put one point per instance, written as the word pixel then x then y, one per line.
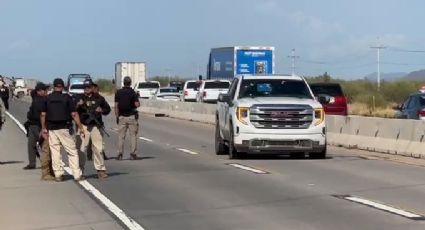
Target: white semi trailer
pixel 135 70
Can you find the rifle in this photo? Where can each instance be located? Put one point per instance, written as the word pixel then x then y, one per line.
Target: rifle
pixel 92 118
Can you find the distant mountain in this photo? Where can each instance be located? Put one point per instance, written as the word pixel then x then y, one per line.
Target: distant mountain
pixel 386 76
pixel 416 75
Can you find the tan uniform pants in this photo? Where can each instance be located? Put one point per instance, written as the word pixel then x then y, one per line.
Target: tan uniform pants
pixel 132 125
pixel 58 138
pixel 46 159
pixel 96 136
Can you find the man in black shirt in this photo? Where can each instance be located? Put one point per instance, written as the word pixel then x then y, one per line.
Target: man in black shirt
pixel 126 104
pixel 33 124
pixel 4 93
pixel 90 108
pixel 56 122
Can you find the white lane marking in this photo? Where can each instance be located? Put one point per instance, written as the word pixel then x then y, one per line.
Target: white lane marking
pixel 383 207
pixel 120 214
pixel 17 122
pixel 145 139
pixel 188 151
pixel 247 168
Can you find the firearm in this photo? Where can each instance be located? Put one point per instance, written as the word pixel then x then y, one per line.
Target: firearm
pixel 92 118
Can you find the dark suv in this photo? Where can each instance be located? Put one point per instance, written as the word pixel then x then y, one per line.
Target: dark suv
pixel 413 107
pixel 332 98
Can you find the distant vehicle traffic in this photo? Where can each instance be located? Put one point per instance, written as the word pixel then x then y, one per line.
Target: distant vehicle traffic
pixel 167 94
pixel 190 90
pixel 270 114
pixel 146 90
pixel 227 62
pixel 135 70
pixel 412 108
pixel 332 98
pixel 75 79
pixel 177 84
pixel 210 89
pixel 76 89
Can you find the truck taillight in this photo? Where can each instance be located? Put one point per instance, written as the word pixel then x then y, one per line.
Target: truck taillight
pixel 186 93
pixel 421 113
pixel 204 94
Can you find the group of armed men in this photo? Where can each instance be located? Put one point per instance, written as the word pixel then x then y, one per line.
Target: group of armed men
pixel 54 120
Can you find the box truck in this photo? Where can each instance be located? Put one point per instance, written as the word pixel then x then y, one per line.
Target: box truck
pixel 135 70
pixel 227 62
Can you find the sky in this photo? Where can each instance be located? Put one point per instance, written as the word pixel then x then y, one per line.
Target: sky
pixel 45 39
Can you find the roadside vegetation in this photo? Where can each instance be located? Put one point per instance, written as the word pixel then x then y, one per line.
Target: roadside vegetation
pixel 364 98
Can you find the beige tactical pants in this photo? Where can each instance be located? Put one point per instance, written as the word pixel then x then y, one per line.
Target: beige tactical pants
pixel 132 125
pixel 96 136
pixel 58 138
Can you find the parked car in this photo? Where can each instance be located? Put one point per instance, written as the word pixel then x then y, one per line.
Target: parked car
pixel 412 108
pixel 167 94
pixel 146 90
pixel 190 90
pixel 331 97
pixel 210 89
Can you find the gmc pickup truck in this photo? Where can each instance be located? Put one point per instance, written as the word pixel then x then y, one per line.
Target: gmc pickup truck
pixel 270 114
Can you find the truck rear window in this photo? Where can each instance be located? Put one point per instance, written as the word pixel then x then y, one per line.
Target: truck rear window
pixel 217 85
pixel 192 85
pixel 147 85
pixel 327 89
pixel 77 86
pixel 274 88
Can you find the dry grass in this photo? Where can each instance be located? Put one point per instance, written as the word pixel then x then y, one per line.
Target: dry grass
pixel 365 110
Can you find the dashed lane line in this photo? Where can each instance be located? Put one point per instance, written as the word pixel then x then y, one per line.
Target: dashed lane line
pixel 145 139
pixel 187 151
pixel 382 207
pixel 247 168
pixel 129 222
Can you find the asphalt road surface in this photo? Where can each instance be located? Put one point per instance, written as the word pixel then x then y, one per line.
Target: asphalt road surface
pixel 179 183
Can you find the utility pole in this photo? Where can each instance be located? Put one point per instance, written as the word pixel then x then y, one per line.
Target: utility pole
pixel 378 56
pixel 293 57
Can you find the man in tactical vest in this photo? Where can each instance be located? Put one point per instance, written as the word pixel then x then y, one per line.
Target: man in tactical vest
pixel 90 108
pixel 56 122
pixel 2 114
pixel 126 104
pixel 33 126
pixel 4 93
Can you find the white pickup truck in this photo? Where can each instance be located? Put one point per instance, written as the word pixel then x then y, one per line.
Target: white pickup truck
pixel 271 115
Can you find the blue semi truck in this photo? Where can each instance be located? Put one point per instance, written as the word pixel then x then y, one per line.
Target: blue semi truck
pixel 227 62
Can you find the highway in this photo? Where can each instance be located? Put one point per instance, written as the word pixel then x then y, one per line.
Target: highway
pixel 179 183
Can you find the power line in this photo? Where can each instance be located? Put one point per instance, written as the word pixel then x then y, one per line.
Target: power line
pixel 396 49
pixel 378 55
pixel 293 57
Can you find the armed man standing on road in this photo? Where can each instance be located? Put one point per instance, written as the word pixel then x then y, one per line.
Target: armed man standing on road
pixel 56 122
pixel 33 126
pixel 4 93
pixel 126 104
pixel 90 108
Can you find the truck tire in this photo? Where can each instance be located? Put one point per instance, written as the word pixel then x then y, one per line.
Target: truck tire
pixel 318 155
pixel 233 152
pixel 220 147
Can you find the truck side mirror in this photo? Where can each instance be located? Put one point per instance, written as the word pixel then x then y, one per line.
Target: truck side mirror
pixel 323 99
pixel 224 98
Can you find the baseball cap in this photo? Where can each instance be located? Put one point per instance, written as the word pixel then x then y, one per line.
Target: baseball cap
pixel 88 82
pixel 58 82
pixel 41 86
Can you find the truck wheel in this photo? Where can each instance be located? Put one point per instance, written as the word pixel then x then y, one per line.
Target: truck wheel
pixel 220 147
pixel 233 153
pixel 319 155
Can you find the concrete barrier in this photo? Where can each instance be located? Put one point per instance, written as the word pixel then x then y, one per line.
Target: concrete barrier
pixel 392 136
